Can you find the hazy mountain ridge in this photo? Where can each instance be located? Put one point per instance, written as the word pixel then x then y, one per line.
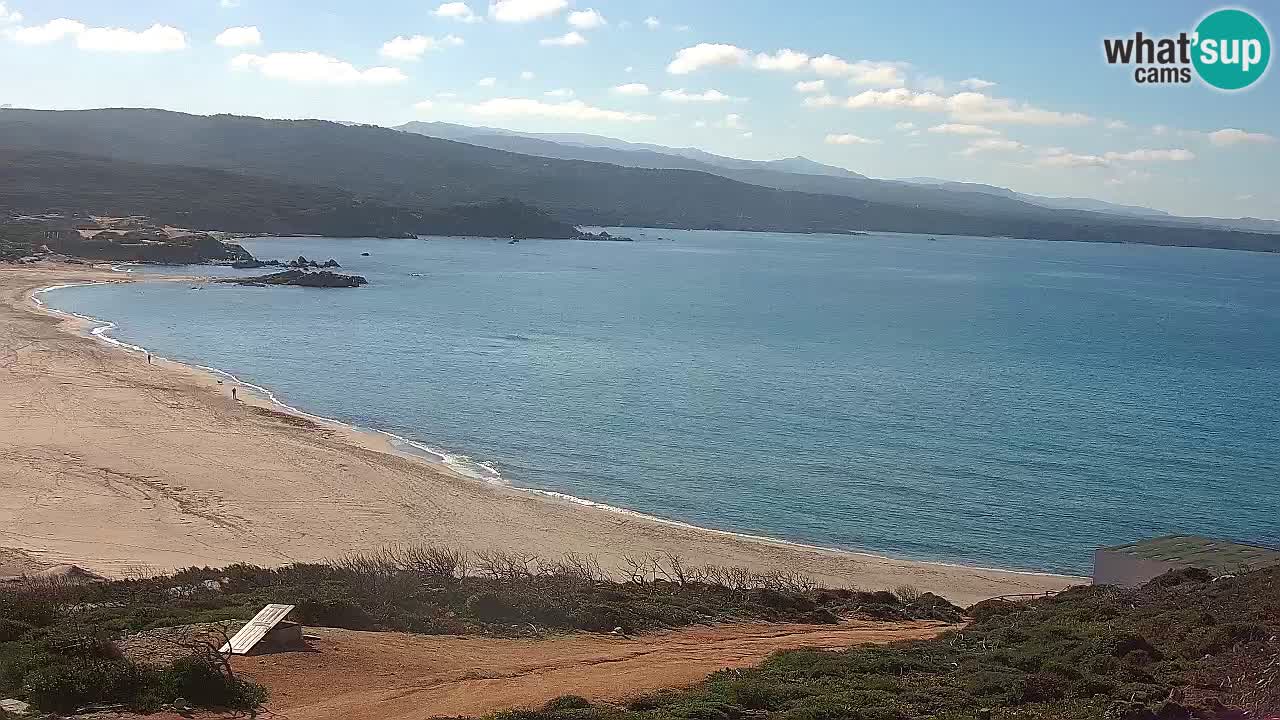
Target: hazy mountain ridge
pixel 637 153
pixel 799 174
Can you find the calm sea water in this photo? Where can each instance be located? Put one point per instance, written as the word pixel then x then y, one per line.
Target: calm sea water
pixel 992 402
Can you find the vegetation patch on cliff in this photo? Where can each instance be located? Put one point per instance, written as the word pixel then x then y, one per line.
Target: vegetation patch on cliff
pixel 1183 646
pixel 59 642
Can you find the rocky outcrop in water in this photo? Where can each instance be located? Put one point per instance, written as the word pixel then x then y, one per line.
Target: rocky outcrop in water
pixel 303 262
pixel 302 278
pixel 255 263
pixel 603 236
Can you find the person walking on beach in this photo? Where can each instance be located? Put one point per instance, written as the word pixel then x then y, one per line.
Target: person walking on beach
pixel 233 394
pixel 148 358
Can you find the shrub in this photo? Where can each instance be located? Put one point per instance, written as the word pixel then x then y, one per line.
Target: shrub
pixel 1227 636
pixel 1043 687
pixel 11 629
pixel 756 694
pixel 567 702
pixel 69 685
pixel 1122 643
pixel 907 593
pixel 203 683
pixel 336 612
pixel 492 607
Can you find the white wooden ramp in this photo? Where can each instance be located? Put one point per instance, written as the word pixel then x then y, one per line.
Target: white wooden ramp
pixel 261 624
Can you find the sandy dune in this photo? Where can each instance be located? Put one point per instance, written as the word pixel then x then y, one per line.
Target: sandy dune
pixel 111 463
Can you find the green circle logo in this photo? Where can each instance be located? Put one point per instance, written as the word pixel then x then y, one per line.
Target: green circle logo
pixel 1232 49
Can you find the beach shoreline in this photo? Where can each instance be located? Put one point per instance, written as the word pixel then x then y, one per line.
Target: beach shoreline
pixel 479 515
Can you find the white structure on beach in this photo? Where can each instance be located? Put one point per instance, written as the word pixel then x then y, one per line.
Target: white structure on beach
pixel 1136 563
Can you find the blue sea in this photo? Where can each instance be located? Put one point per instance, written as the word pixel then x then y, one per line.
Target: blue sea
pixel 991 402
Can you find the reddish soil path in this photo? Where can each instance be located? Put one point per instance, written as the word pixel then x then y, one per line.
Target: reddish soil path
pixel 389 676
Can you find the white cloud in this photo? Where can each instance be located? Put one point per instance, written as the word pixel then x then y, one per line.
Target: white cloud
pixel 992 144
pixel 632 89
pixel 1143 155
pixel 628 69
pixel 9 17
pixel 50 32
pixel 1116 125
pixel 699 123
pixel 559 93
pixel 568 39
pixel 978 108
pixel 1060 157
pixel 683 28
pixel 748 135
pixel 962 129
pixel 786 60
pixel 1234 136
pixel 527 75
pixel 703 55
pixel 587 19
pixel 519 11
pixel 904 126
pixel 459 11
pixel 969 107
pixel 850 139
pixel 732 121
pixel 862 72
pixel 446 95
pixel 974 83
pixel 228 4
pixel 423 105
pixel 487 82
pixel 898 98
pixel 313 68
pixel 157 38
pixel 811 86
pixel 823 100
pixel 239 37
pixel 413 48
pixel 652 22
pixel 710 96
pixel 571 110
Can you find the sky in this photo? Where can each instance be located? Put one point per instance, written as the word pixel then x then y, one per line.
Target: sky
pixel 1011 94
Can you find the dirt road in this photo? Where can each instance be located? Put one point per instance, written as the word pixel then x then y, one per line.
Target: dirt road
pixel 389 676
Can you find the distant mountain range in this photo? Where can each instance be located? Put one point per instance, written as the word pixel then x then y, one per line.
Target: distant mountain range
pixel 579 146
pixel 333 178
pixel 782 174
pixel 1062 203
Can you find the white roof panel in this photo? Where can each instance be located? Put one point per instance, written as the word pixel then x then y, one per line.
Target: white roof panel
pixel 249 635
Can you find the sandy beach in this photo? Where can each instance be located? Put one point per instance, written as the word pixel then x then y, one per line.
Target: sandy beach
pixel 114 464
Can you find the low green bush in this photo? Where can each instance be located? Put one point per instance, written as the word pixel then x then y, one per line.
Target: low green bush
pixel 567 702
pixel 1088 653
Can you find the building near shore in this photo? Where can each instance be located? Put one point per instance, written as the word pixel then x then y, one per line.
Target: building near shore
pixel 1136 563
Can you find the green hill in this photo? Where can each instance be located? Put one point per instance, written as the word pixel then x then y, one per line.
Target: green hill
pixel 206 198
